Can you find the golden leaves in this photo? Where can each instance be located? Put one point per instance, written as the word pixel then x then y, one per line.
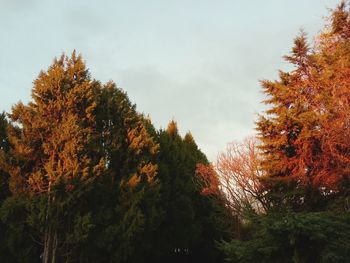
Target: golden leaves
pixel 140 141
pixel 172 128
pixel 305 133
pixel 56 127
pixel 150 170
pixel 134 180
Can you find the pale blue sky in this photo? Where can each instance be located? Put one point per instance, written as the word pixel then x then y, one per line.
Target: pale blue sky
pixel 198 62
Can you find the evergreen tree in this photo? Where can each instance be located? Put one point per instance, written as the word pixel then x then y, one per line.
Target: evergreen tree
pixel 187 231
pixel 83 164
pixel 290 237
pixel 121 203
pixel 305 133
pixel 52 148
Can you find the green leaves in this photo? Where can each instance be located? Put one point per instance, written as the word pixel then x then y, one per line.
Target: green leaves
pixel 286 236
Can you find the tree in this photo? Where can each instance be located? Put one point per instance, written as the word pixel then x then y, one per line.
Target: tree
pixel 83 163
pixel 123 200
pixel 52 145
pixel 305 133
pixel 288 237
pixel 175 175
pixel 191 222
pixel 235 177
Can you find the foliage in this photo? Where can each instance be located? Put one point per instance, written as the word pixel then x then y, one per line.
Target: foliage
pixel 235 177
pixel 305 132
pixel 190 221
pixel 286 236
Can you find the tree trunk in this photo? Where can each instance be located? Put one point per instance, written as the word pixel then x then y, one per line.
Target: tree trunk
pixel 47 242
pixel 54 247
pixel 50 236
pixel 50 246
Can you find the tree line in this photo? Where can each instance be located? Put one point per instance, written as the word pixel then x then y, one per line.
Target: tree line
pixel 85 177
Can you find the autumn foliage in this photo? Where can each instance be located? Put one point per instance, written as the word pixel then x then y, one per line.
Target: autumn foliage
pixel 305 132
pixel 235 177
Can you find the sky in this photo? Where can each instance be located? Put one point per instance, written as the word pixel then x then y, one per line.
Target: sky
pixel 198 62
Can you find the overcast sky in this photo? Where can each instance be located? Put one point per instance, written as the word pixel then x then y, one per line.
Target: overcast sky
pixel 196 61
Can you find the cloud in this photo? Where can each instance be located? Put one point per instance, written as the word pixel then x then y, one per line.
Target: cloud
pixel 198 63
pixel 214 111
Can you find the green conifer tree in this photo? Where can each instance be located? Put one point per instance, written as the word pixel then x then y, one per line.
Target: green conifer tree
pixel 121 203
pixel 188 229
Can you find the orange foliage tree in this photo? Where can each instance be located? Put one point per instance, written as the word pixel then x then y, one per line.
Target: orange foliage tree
pixel 305 133
pixel 52 142
pixel 235 177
